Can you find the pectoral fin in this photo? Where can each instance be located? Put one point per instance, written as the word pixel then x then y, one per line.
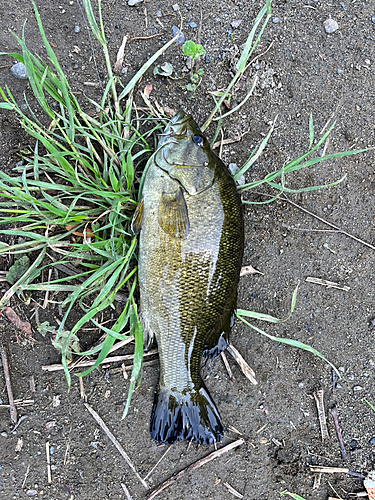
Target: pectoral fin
pixel 193 179
pixel 136 224
pixel 173 215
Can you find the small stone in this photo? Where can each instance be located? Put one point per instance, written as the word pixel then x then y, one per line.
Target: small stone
pixel 134 2
pixel 175 7
pixel 353 444
pixel 193 25
pixel 24 107
pixel 276 20
pixel 342 369
pixel 357 388
pixel 181 36
pixel 339 71
pixel 207 59
pixel 236 23
pixel 351 377
pixel 31 493
pixel 330 25
pixel 368 62
pixel 77 29
pixel 19 71
pixel 372 440
pixel 158 14
pixel 373 19
pixel 4 434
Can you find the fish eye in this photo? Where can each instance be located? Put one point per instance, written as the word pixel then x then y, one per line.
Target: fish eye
pixel 198 140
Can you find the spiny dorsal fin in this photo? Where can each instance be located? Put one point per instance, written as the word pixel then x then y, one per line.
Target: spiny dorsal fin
pixel 173 215
pixel 136 224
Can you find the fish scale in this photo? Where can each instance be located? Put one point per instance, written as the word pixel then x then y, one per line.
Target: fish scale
pixel 190 254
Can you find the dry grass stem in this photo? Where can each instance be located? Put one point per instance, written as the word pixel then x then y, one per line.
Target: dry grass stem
pixel 126 491
pixel 115 442
pixel 49 472
pixel 20 402
pixel 328 284
pixel 245 368
pixel 120 56
pixel 81 364
pixel 157 463
pixel 328 470
pixel 319 399
pixel 233 491
pixel 195 465
pixel 12 407
pixel 24 480
pixel 226 364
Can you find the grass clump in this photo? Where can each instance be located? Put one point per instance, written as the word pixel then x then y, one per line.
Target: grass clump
pixel 77 192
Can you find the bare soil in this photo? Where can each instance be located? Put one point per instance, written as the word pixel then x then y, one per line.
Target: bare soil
pixel 305 71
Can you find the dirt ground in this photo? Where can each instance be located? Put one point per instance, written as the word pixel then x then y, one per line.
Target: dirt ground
pixel 304 71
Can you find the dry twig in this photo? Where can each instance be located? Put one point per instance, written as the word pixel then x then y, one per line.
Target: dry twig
pixel 338 432
pixel 318 396
pixel 225 361
pixel 233 491
pixel 195 465
pixel 115 442
pixel 245 368
pixel 49 472
pixel 328 284
pixel 12 407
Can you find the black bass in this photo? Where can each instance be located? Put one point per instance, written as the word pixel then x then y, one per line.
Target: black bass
pixel 190 253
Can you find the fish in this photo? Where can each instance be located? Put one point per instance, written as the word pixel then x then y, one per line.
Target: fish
pixel 191 233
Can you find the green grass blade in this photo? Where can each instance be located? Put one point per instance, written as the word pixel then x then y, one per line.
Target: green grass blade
pixel 290 342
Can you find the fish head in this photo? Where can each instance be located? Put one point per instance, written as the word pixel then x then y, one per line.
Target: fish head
pixel 183 144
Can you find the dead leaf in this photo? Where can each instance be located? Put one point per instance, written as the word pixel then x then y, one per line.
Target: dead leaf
pixel 19 445
pixel 148 89
pixel 24 326
pixel 89 233
pixel 120 56
pixel 245 270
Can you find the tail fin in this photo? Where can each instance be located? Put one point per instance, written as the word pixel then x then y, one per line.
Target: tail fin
pixel 192 416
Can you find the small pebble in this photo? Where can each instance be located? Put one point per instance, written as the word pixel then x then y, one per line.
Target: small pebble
pixel 19 71
pixel 372 440
pixel 158 14
pixel 4 434
pixel 133 2
pixel 181 37
pixel 31 493
pixel 207 59
pixel 24 107
pixel 51 449
pixel 77 29
pixel 373 19
pixel 193 25
pixel 339 71
pixel 330 25
pixel 175 7
pixel 353 444
pixel 236 23
pixel 276 20
pixel 357 388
